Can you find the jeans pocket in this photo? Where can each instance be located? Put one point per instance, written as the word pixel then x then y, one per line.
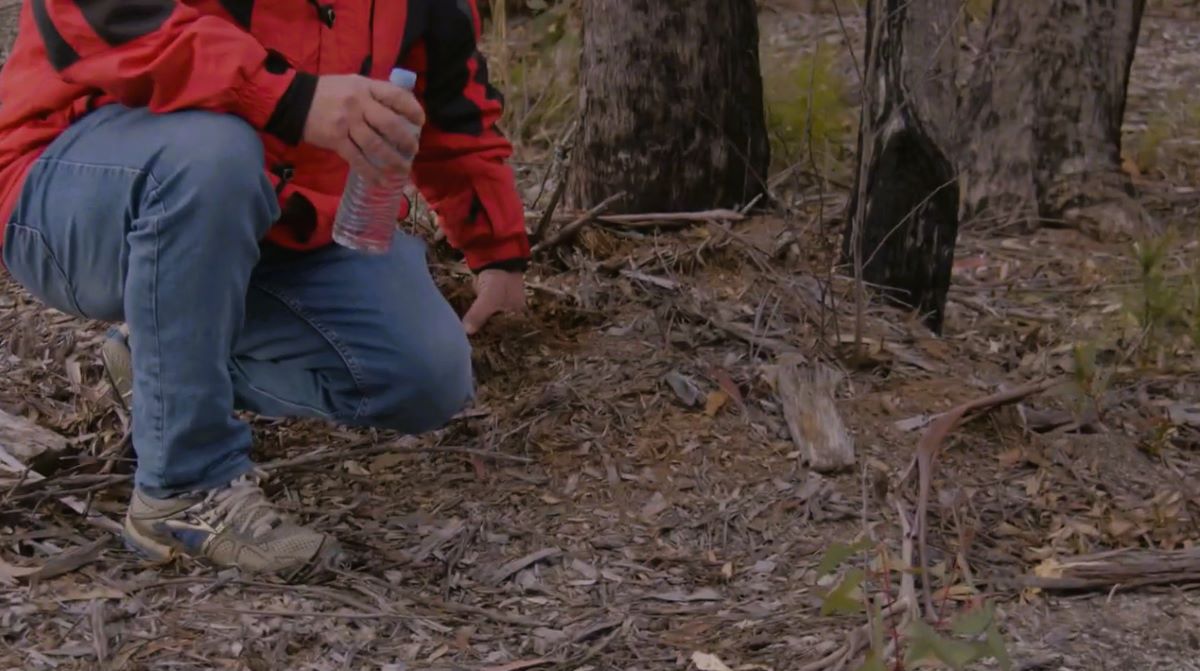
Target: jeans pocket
pixel 34 266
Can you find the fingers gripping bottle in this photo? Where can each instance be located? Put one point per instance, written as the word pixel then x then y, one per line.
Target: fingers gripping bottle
pixel 366 216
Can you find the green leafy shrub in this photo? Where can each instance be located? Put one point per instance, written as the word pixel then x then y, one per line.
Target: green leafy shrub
pixel 808 114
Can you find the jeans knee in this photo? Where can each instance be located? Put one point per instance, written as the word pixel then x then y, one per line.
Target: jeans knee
pixel 422 390
pixel 217 163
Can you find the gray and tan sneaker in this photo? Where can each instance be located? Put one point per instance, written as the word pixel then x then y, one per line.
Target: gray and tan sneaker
pixel 118 364
pixel 233 526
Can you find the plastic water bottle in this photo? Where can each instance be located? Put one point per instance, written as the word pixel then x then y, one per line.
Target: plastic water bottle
pixel 366 216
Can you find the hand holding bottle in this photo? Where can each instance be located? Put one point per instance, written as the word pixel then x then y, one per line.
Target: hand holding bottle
pixel 374 125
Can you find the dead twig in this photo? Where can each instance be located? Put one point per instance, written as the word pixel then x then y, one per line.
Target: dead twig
pixel 504 572
pixel 389 448
pixel 555 198
pixel 88 483
pixel 561 153
pixel 568 231
pixel 300 613
pixel 930 446
pixel 742 332
pixel 10 463
pixel 859 640
pixel 467 609
pixel 657 219
pixel 590 653
pixel 60 484
pixel 61 488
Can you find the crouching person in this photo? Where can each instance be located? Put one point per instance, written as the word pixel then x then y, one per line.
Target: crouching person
pixel 176 167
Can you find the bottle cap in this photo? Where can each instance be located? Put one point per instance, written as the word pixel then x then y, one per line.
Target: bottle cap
pixel 402 77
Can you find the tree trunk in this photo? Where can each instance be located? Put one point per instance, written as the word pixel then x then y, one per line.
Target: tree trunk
pixel 671 106
pixel 903 210
pixel 1044 111
pixel 10 14
pixel 1036 136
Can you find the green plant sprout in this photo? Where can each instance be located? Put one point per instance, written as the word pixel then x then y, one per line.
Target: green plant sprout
pixel 966 638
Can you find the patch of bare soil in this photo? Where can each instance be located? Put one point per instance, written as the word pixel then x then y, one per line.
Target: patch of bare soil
pixel 625 493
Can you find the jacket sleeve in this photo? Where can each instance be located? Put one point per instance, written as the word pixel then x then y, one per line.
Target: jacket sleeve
pixel 462 168
pixel 165 55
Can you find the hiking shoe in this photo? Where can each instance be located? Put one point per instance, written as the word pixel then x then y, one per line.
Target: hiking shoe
pixel 232 526
pixel 118 364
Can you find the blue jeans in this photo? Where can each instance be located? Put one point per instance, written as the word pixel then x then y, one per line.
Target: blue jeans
pixel 156 220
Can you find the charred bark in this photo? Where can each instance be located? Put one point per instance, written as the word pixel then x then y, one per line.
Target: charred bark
pixel 1035 136
pixel 903 215
pixel 671 106
pixel 1043 114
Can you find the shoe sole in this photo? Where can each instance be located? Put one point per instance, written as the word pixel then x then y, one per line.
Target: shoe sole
pixel 327 559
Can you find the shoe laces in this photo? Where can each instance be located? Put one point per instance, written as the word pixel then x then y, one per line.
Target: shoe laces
pixel 244 507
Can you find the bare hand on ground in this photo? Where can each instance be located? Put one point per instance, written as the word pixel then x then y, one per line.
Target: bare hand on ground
pixel 495 291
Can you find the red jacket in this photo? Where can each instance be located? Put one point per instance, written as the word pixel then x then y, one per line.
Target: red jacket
pixel 259 60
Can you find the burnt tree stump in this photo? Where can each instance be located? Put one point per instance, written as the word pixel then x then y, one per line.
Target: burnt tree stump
pixel 1032 134
pixel 903 212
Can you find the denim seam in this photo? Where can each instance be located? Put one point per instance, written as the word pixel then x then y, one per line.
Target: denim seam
pixel 51 160
pixel 279 399
pixel 66 280
pixel 101 166
pixel 154 222
pixel 154 197
pixel 330 337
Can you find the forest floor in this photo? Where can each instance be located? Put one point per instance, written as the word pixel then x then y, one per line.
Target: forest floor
pixel 635 497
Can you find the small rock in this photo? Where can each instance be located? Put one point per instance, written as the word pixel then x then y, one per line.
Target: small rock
pixel 544 639
pixel 685 388
pixel 584 569
pixel 763 566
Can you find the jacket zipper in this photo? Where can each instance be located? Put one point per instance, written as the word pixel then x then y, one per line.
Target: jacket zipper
pixel 324 12
pixel 285 172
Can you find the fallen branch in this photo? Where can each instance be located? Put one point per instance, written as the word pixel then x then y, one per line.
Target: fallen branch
pixel 930 447
pixel 12 464
pixel 655 219
pixel 254 612
pixel 390 448
pixel 26 440
pixel 544 220
pixel 560 154
pixel 745 333
pixel 1117 568
pixel 467 609
pixel 58 486
pixel 567 232
pixel 65 486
